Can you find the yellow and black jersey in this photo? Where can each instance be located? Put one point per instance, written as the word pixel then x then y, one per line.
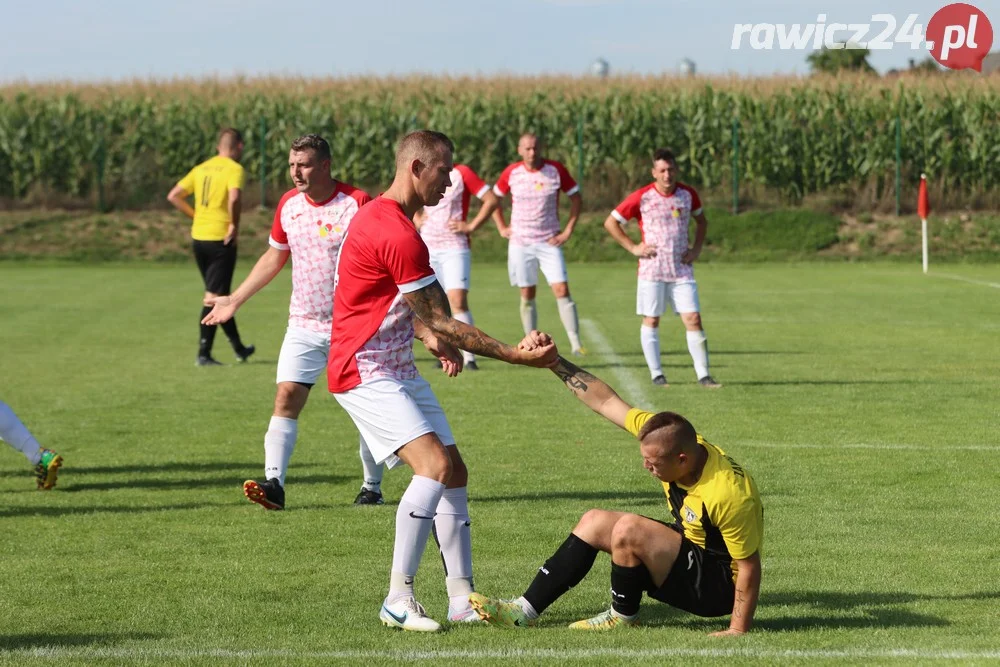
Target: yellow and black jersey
pixel 721 512
pixel 210 182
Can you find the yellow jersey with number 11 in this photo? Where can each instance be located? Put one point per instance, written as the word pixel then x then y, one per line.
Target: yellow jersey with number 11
pixel 210 182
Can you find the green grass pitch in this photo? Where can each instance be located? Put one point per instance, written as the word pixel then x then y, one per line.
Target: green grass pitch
pixel 865 400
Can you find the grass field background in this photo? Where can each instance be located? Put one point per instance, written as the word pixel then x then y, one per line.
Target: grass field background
pixel 863 398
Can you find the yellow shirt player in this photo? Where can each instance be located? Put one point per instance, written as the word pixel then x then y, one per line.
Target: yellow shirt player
pixel 706 560
pixel 217 186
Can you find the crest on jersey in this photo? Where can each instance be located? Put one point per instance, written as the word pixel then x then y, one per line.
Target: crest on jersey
pixel 689 515
pixel 676 213
pixel 326 228
pixel 539 185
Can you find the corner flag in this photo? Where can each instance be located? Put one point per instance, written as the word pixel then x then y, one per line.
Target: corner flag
pixel 923 210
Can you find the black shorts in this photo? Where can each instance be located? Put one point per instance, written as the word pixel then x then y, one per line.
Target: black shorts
pixel 217 262
pixel 700 583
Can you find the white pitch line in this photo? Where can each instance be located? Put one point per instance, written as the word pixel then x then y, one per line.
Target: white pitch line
pixel 96 653
pixel 950 276
pixel 632 389
pixel 867 445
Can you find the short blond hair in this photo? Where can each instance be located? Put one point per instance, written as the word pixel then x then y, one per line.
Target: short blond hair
pixel 423 145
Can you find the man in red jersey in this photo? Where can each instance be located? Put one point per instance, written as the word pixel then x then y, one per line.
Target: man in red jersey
pixel 309 226
pixel 384 279
pixel 664 209
pixel 534 185
pixel 444 229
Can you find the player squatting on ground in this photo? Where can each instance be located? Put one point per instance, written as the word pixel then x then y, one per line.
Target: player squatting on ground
pixel 664 209
pixel 217 186
pixel 45 461
pixel 444 229
pixel 707 561
pixel 309 225
pixel 534 185
pixel 384 278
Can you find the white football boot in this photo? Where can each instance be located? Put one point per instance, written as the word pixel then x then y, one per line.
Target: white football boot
pixel 407 614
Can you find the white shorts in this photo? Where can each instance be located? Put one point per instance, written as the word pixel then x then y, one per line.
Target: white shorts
pixel 652 297
pixel 453 267
pixel 303 356
pixel 523 262
pixel 390 413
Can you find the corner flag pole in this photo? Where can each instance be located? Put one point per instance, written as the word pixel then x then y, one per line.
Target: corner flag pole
pixel 923 210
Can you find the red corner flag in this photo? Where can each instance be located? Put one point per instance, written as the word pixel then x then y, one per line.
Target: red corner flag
pixel 923 203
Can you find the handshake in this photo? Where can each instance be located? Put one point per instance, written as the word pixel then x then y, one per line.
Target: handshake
pixel 540 342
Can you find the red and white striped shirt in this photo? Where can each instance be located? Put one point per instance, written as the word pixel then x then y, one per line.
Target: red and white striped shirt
pixel 453 206
pixel 663 221
pixel 313 231
pixel 534 209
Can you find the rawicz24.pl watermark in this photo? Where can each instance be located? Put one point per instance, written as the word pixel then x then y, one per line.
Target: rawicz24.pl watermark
pixel 958 36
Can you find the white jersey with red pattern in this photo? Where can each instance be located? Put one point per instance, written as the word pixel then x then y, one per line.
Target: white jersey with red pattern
pixel 313 232
pixel 381 259
pixel 465 184
pixel 534 209
pixel 663 221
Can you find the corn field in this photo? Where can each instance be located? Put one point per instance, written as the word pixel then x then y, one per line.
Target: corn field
pixel 126 144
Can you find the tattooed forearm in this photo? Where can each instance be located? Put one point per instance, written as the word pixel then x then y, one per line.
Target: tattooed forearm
pixel 573 376
pixel 430 305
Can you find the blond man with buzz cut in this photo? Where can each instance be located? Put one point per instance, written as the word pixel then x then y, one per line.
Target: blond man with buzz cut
pixel 217 186
pixel 386 295
pixel 535 240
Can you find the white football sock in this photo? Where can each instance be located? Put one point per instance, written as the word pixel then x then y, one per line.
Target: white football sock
pixel 373 471
pixel 650 337
pixel 698 347
pixel 465 316
pixel 17 435
pixel 529 611
pixel 279 443
pixel 454 538
pixel 529 315
pixel 414 520
pixel 567 313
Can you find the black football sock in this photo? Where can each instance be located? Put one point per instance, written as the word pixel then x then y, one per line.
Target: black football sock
pixel 627 587
pixel 207 334
pixel 233 334
pixel 562 571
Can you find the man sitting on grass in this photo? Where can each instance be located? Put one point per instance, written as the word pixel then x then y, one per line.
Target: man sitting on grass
pixel 706 561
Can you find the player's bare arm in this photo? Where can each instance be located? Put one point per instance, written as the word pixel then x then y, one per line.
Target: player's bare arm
pixel 614 229
pixel 701 228
pixel 263 272
pixel 593 392
pixel 490 203
pixel 235 210
pixel 499 221
pixel 747 594
pixel 178 199
pixel 430 305
pixel 575 206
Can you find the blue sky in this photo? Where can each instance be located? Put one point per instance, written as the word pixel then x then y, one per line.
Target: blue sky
pixel 117 39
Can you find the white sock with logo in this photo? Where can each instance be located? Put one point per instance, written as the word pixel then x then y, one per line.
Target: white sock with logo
pixel 454 538
pixel 567 313
pixel 414 520
pixel 465 316
pixel 529 315
pixel 279 443
pixel 698 347
pixel 17 435
pixel 373 471
pixel 650 337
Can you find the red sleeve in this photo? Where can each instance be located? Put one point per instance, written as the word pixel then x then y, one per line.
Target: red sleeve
pixel 359 196
pixel 503 183
pixel 473 184
pixel 695 200
pixel 407 259
pixel 566 182
pixel 629 209
pixel 278 234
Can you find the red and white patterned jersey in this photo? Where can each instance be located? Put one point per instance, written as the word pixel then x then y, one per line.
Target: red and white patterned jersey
pixel 381 259
pixel 465 184
pixel 534 209
pixel 664 221
pixel 313 232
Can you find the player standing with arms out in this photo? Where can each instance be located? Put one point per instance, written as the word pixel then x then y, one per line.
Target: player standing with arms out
pixel 706 560
pixel 384 279
pixel 309 225
pixel 444 229
pixel 664 209
pixel 217 186
pixel 534 185
pixel 45 461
